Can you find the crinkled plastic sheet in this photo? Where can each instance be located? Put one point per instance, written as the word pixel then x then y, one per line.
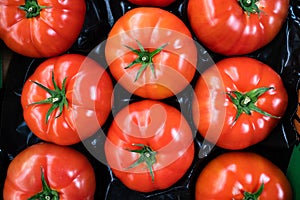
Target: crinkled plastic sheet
pixel 283 54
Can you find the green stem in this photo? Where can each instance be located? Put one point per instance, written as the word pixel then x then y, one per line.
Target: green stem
pixel 47 193
pixel 58 97
pixel 144 58
pixel 255 195
pixel 245 103
pixel 32 8
pixel 250 6
pixel 147 155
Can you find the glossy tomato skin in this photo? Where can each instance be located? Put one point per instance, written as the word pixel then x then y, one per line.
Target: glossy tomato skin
pixel 214 113
pixel 89 93
pixel 158 3
pixel 49 34
pixel 224 27
pixel 174 66
pixel 66 171
pixel 164 130
pixel 231 174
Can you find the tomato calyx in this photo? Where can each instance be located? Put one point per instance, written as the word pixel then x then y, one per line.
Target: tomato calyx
pixel 147 155
pixel 58 97
pixel 245 103
pixel 255 195
pixel 144 58
pixel 250 6
pixel 32 8
pixel 47 193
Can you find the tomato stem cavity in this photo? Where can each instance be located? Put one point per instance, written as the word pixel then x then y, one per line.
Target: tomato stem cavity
pixel 32 8
pixel 47 193
pixel 250 6
pixel 58 97
pixel 144 58
pixel 245 103
pixel 255 195
pixel 147 155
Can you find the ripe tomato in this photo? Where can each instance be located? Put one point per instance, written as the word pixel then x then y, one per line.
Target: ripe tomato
pixel 238 102
pixel 242 175
pixel 150 52
pixel 236 27
pixel 158 3
pixel 67 99
pixel 66 173
pixel 149 146
pixel 39 28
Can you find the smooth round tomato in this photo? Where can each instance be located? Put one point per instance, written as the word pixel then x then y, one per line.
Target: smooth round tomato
pixel 149 146
pixel 150 53
pixel 158 3
pixel 242 176
pixel 236 27
pixel 67 99
pixel 40 28
pixel 238 101
pixel 49 171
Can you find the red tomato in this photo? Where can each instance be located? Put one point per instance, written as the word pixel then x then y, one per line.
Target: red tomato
pixel 236 27
pixel 75 102
pixel 238 102
pixel 150 52
pixel 241 176
pixel 40 28
pixel 149 146
pixel 67 173
pixel 158 3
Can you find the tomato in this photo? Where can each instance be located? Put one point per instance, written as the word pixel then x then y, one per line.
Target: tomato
pixel 238 102
pixel 49 171
pixel 67 99
pixel 158 3
pixel 147 142
pixel 40 28
pixel 242 175
pixel 236 27
pixel 150 53
pixel 296 120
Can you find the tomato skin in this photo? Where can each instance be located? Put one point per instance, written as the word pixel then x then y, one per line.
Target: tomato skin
pixel 229 175
pixel 66 170
pixel 214 112
pixel 158 3
pixel 174 66
pixel 89 92
pixel 164 130
pixel 224 27
pixel 49 34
